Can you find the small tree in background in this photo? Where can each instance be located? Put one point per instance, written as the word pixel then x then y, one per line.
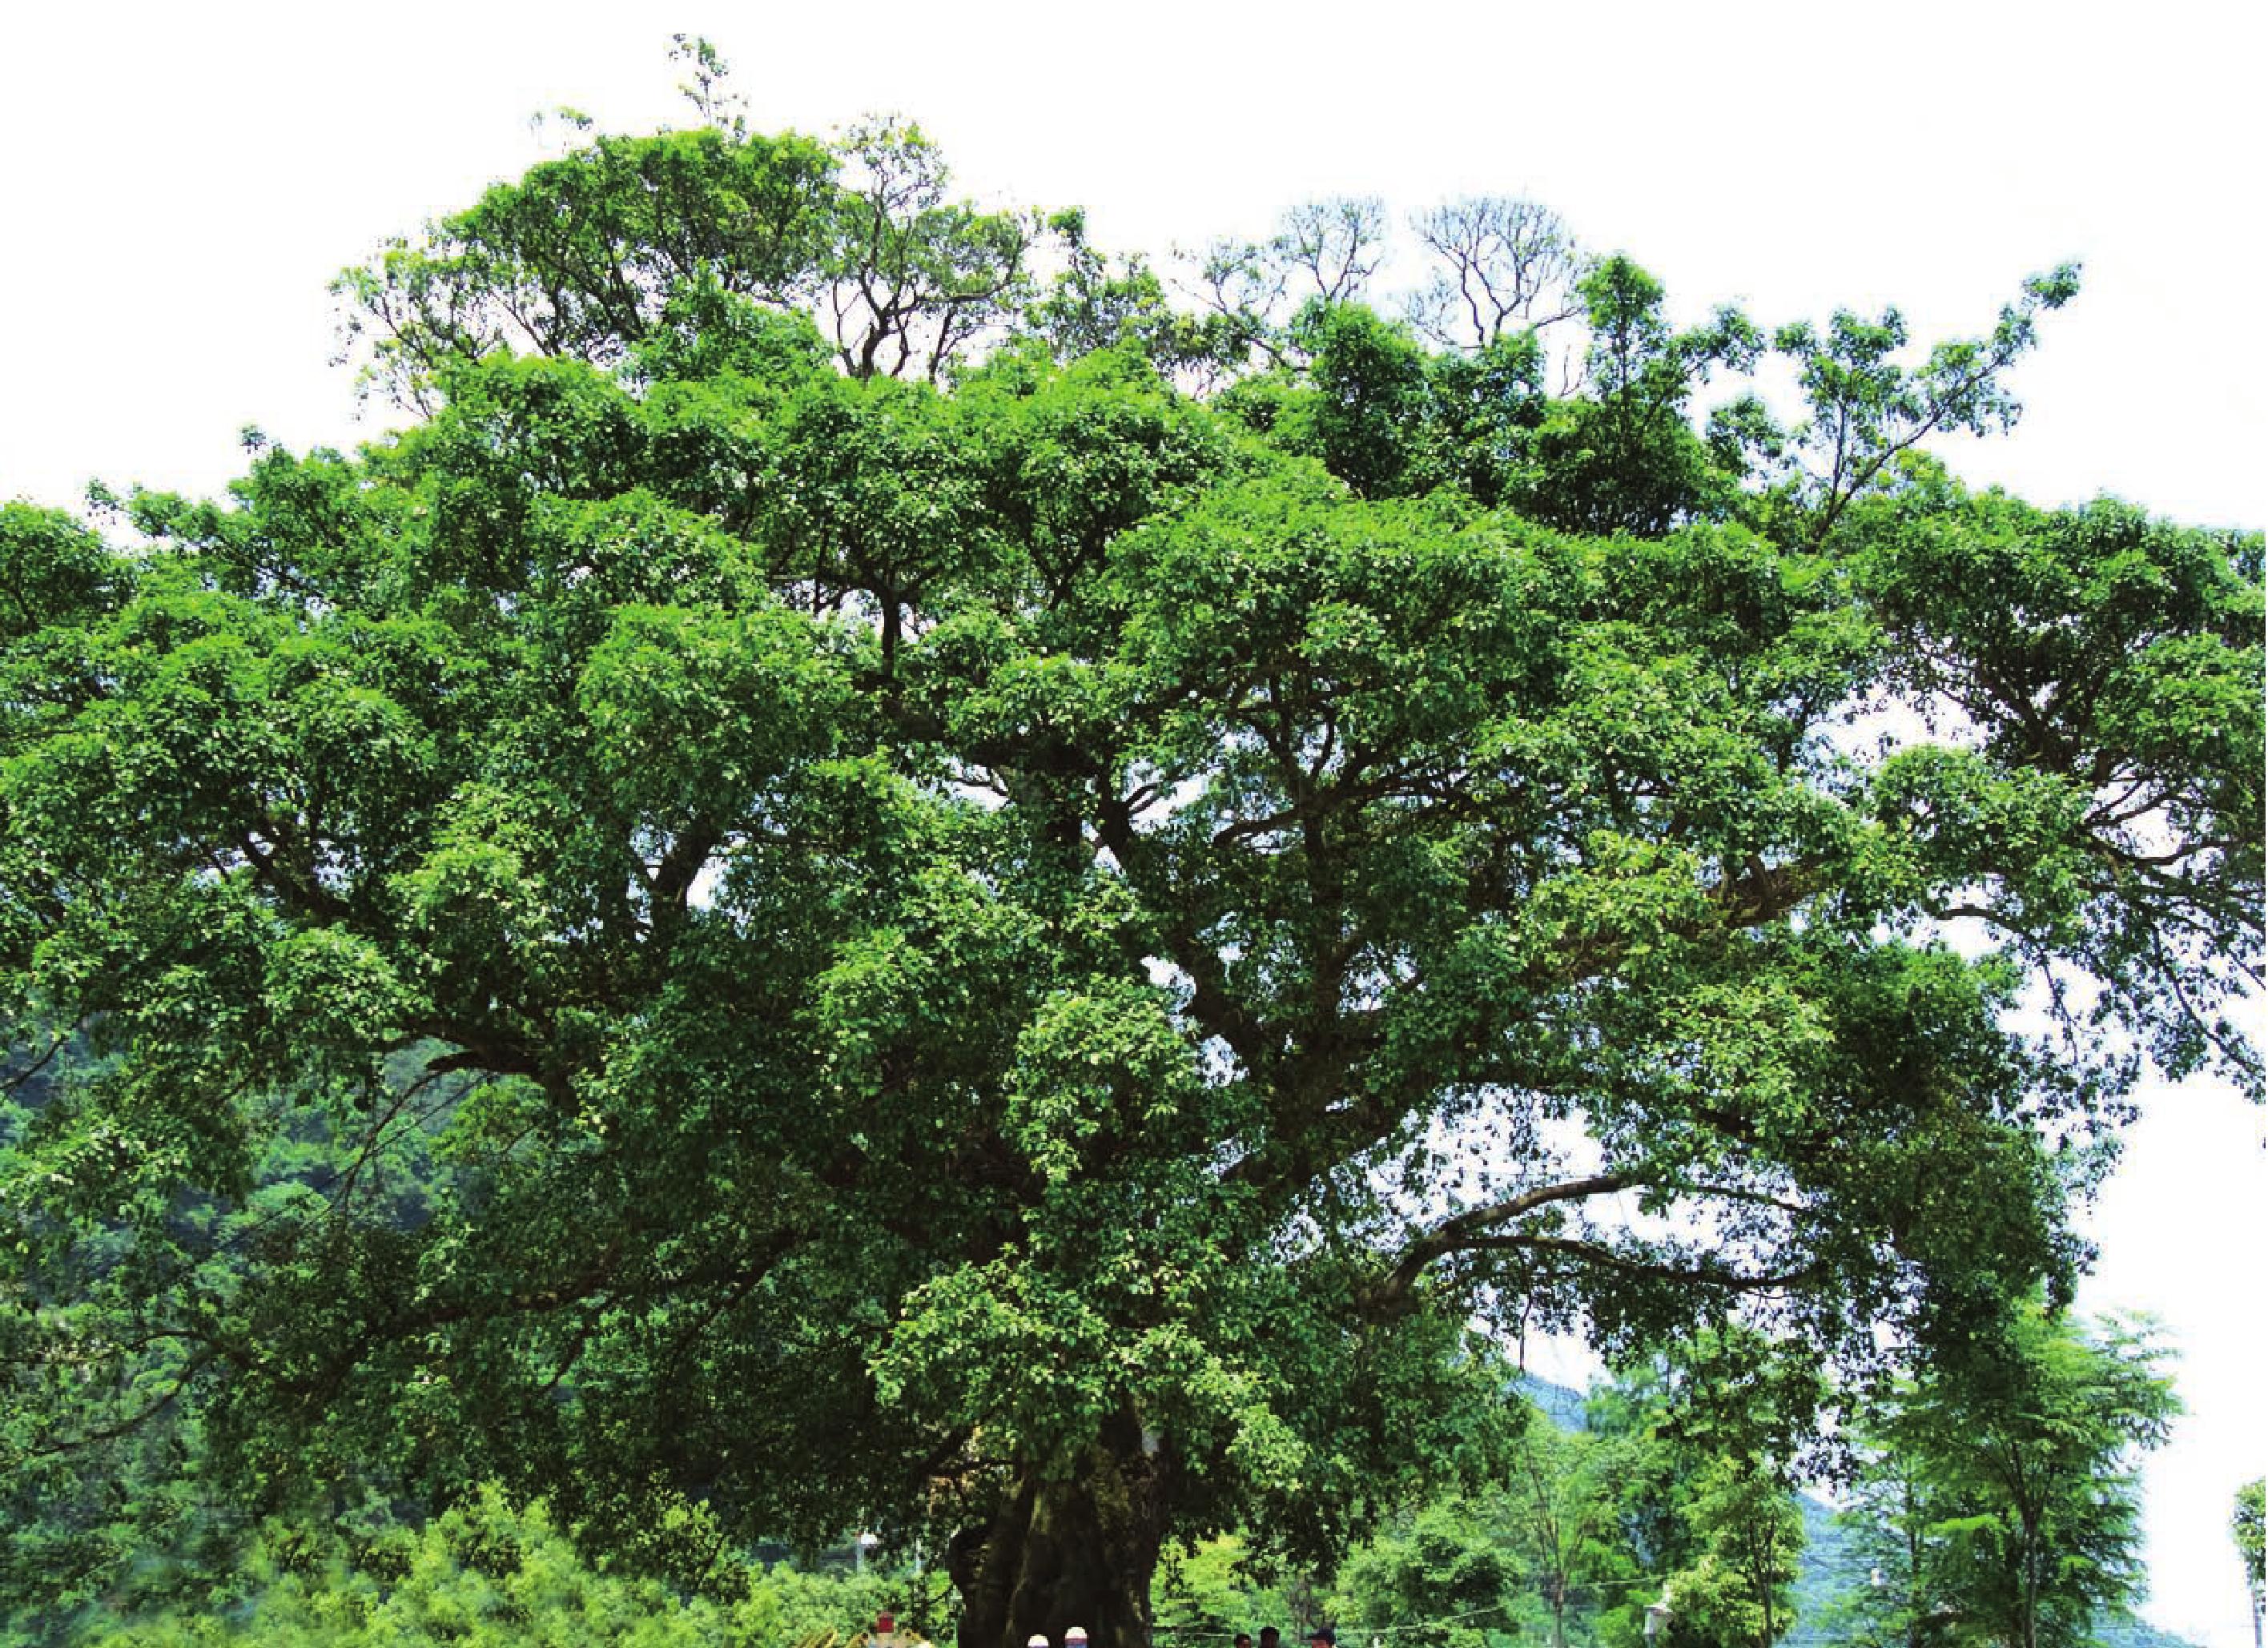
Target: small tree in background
pixel 1741 1588
pixel 1558 1515
pixel 1711 1436
pixel 2014 1485
pixel 2245 1526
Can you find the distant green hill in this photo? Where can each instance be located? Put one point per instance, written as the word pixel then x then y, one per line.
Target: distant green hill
pixel 1558 1404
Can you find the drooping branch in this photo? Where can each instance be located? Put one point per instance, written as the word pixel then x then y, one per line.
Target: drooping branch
pixel 95 1435
pixel 1481 1229
pixel 1697 1275
pixel 1475 1228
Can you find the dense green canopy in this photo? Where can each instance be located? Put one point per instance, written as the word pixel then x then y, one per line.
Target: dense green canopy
pixel 758 930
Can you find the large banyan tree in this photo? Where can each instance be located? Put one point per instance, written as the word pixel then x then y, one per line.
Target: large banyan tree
pixel 879 877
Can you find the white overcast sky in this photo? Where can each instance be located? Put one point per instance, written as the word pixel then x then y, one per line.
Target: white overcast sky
pixel 178 182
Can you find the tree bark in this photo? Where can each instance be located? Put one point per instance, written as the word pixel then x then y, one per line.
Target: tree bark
pixel 1067 1548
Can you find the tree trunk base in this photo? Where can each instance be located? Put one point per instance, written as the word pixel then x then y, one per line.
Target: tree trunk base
pixel 1066 1551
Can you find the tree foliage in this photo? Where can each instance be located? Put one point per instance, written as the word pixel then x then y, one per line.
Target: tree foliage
pixel 2248 1528
pixel 1740 1586
pixel 942 905
pixel 2004 1501
pixel 1714 1433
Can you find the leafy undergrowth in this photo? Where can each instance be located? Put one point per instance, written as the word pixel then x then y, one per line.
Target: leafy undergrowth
pixel 487 1576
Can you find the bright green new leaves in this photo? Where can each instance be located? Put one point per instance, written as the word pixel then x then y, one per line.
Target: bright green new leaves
pixel 1868 406
pixel 668 251
pixel 683 705
pixel 1094 1064
pixel 581 257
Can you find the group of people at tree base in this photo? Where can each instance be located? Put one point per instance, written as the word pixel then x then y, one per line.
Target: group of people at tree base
pixel 1321 1637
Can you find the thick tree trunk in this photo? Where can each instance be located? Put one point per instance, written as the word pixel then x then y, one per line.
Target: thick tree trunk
pixel 1068 1547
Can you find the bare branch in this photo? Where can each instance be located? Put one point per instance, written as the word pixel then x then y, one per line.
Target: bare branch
pixel 1338 242
pixel 1509 263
